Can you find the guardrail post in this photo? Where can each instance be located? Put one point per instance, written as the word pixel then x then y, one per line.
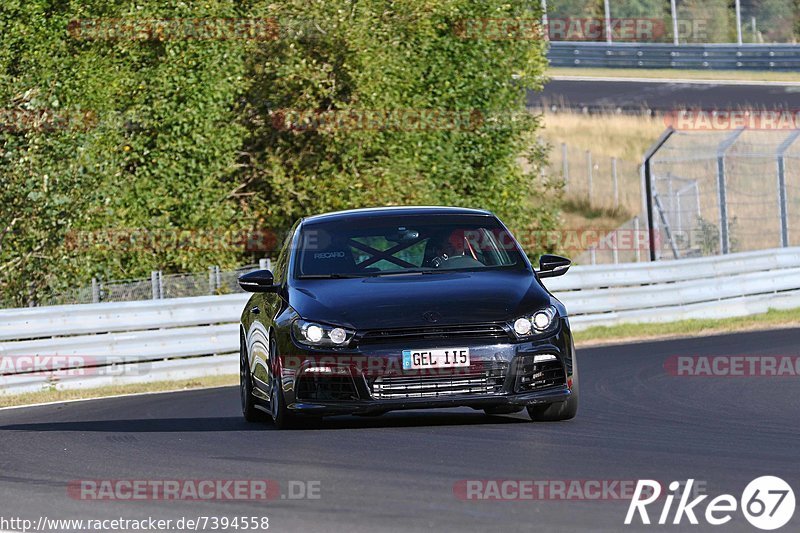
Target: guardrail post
pixel 782 195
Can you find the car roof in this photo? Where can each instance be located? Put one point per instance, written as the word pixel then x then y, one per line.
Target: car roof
pixel 395 211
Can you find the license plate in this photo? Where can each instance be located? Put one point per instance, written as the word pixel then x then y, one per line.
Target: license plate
pixel 438 358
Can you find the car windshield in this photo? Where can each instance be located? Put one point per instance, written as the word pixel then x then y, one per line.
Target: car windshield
pixel 389 245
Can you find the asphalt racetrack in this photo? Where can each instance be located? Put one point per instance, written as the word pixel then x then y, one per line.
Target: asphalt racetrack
pixel 664 96
pixel 400 472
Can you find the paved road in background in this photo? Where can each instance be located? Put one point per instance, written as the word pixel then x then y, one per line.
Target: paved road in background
pixel 665 96
pixel 397 472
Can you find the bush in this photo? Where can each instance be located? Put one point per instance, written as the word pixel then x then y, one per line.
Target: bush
pixel 156 138
pixel 343 58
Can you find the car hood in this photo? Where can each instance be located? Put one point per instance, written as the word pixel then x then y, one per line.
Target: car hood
pixel 401 301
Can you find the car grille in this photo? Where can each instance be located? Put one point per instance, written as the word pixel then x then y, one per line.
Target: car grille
pixel 473 331
pixel 533 375
pixel 488 381
pixel 325 388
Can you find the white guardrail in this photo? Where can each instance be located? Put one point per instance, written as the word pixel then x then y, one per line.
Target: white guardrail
pixel 89 345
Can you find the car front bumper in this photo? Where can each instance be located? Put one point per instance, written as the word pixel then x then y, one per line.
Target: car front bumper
pixel 503 377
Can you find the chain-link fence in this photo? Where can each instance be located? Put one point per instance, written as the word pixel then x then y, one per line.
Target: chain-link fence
pixel 725 191
pixel 158 286
pixel 606 182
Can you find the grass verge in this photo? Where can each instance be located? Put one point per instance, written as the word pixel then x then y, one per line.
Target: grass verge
pixel 772 319
pixel 675 74
pixel 116 390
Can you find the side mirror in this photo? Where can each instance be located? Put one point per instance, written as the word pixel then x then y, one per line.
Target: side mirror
pixel 551 266
pixel 258 281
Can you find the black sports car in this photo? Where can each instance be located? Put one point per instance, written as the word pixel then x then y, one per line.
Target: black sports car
pixel 373 310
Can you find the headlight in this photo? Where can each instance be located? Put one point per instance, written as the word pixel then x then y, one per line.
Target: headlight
pixel 315 334
pixel 538 322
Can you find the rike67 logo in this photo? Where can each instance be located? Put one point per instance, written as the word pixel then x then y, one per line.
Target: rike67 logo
pixel 767 503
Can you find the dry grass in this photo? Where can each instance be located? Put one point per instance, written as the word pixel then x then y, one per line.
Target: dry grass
pixel 674 74
pixel 625 137
pixel 115 390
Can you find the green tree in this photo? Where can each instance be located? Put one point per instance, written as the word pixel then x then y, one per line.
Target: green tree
pixel 157 155
pixel 370 55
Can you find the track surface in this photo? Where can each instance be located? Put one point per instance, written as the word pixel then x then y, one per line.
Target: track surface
pixel 396 473
pixel 664 95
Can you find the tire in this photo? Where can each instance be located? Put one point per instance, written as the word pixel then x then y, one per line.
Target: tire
pixel 281 417
pixel 249 410
pixel 553 412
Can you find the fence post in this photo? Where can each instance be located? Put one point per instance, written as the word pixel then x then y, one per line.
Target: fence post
pixel 154 283
pixel 262 264
pixel 565 165
pixel 160 285
pixel 616 182
pixel 218 277
pixel 648 189
pixel 589 173
pixel 593 254
pixel 739 22
pixel 782 195
pixel 211 279
pixel 95 291
pixel 674 10
pixel 724 237
pixel 615 247
pixel 636 238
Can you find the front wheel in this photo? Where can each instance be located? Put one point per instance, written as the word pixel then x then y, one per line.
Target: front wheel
pixel 282 418
pixel 249 410
pixel 552 412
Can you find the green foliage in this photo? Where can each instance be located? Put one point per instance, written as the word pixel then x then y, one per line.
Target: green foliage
pixel 158 152
pixel 363 56
pixel 154 139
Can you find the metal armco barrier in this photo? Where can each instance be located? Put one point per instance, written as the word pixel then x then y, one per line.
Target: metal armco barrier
pixel 654 55
pixel 128 342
